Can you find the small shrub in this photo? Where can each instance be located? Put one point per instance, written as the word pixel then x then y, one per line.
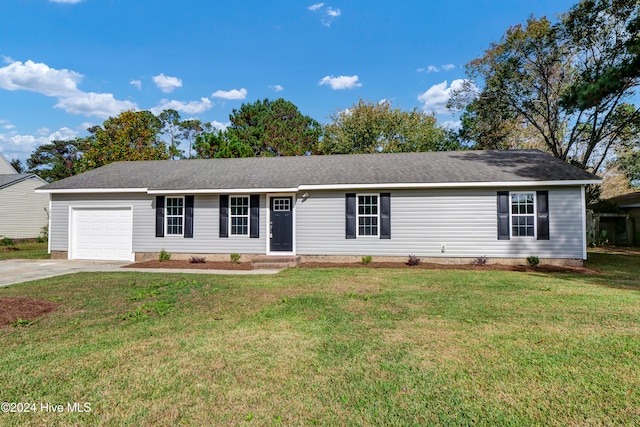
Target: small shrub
pixel 533 261
pixel 23 322
pixel 413 260
pixel 196 260
pixel 367 259
pixel 44 234
pixel 235 258
pixel 6 241
pixel 481 261
pixel 164 256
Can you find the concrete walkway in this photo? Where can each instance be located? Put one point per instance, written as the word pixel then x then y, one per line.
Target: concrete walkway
pixel 14 271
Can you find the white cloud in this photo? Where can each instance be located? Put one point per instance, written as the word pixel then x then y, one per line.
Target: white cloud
pixel 21 146
pixel 436 69
pixel 437 96
pixel 327 13
pixel 167 84
pixel 63 134
pixel 136 83
pixel 233 94
pixel 334 13
pixel 340 82
pixel 62 84
pixel 276 88
pixel 452 124
pixel 38 77
pixel 191 107
pixel 94 104
pixel 66 1
pixel 219 125
pixel 6 124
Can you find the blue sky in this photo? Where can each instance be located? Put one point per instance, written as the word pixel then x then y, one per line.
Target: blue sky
pixel 66 65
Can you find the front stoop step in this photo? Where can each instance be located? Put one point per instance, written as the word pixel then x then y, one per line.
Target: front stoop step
pixel 274 261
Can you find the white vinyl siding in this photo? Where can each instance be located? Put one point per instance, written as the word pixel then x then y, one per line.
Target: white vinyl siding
pixel 22 211
pixel 205 224
pixel 422 221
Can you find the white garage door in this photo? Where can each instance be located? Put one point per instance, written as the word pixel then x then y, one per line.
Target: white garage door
pixel 101 233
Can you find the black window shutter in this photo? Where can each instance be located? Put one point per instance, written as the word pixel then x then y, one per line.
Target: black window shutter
pixel 351 217
pixel 254 219
pixel 188 217
pixel 224 215
pixel 503 215
pixel 159 216
pixel 385 215
pixel 542 199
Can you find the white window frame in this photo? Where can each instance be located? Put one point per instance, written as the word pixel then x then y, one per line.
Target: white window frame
pixel 167 216
pixel 512 215
pixel 376 216
pixel 232 216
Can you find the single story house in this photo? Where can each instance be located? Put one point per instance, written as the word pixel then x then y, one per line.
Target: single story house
pixel 628 223
pixel 22 212
pixel 450 206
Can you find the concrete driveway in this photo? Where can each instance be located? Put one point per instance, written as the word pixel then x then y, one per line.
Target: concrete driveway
pixel 14 271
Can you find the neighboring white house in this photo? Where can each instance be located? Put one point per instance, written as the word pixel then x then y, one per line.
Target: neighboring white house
pixel 449 206
pixel 23 213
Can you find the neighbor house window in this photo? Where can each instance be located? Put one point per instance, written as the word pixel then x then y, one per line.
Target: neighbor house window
pixel 239 207
pixel 523 214
pixel 175 216
pixel 367 215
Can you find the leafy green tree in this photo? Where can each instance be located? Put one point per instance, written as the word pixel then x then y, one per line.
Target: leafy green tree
pixel 133 135
pixel 56 160
pixel 609 33
pixel 274 128
pixel 629 162
pixel 526 84
pixel 171 126
pixel 17 165
pixel 220 144
pixel 369 127
pixel 189 130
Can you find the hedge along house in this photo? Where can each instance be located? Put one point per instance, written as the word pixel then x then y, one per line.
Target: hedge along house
pixel 450 206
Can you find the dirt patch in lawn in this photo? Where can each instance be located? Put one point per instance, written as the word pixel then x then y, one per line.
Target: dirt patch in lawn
pixel 186 265
pixel 13 309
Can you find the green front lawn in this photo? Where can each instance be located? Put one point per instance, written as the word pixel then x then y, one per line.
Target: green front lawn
pixel 332 347
pixel 24 250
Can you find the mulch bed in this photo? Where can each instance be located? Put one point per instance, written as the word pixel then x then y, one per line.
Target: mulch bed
pixel 13 309
pixel 185 264
pixel 227 265
pixel 434 266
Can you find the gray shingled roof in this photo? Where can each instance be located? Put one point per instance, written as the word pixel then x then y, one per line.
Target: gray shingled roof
pixel 627 200
pixel 10 179
pixel 291 172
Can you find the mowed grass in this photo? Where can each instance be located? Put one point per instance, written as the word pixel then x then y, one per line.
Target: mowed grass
pixel 332 347
pixel 24 250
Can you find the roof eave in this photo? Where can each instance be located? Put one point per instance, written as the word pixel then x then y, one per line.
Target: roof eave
pixel 341 186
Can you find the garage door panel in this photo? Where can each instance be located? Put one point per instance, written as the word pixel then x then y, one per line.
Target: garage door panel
pixel 101 233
